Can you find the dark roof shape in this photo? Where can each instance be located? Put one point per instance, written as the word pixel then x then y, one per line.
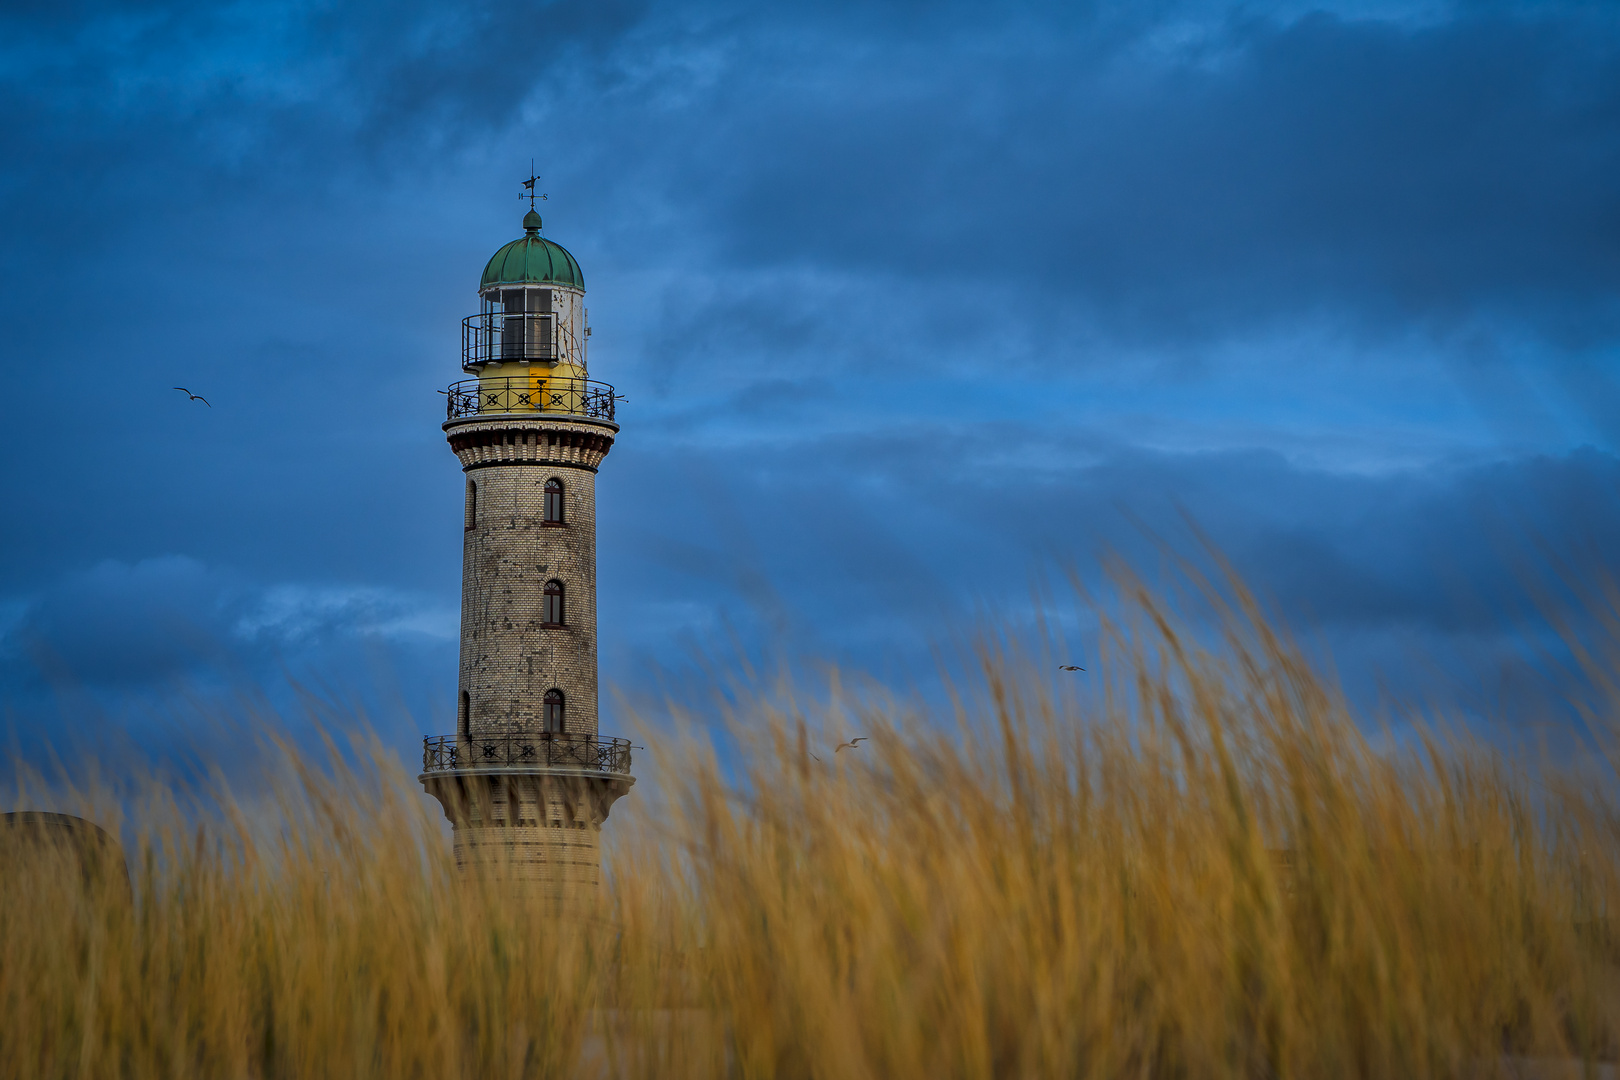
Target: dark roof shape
pixel 532 259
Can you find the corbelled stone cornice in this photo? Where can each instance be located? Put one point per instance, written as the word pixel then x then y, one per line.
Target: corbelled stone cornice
pixel 511 440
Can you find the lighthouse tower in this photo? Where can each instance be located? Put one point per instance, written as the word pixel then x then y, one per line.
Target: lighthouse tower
pixel 527 779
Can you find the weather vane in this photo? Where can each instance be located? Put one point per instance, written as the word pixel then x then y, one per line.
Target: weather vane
pixel 530 193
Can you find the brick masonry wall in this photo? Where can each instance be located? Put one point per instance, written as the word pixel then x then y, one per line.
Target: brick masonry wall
pixel 531 827
pixel 510 657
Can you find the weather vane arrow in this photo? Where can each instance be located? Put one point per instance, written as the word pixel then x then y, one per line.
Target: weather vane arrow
pixel 529 192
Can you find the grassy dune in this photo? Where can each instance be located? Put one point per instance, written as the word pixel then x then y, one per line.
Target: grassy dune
pixel 1199 867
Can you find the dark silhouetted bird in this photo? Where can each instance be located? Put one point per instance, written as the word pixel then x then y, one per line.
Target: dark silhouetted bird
pixel 1069 667
pixel 193 397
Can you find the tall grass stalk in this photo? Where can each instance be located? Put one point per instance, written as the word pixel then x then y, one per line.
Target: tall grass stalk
pixel 1199 867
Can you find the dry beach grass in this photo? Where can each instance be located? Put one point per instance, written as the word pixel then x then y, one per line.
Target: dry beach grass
pixel 1202 867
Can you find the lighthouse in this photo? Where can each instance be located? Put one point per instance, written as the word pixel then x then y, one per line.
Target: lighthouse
pixel 527 779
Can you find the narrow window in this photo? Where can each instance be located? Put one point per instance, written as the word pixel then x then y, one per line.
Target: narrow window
pixel 486 337
pixel 512 325
pixel 539 329
pixel 466 715
pixel 472 505
pixel 554 501
pixel 554 603
pixel 554 711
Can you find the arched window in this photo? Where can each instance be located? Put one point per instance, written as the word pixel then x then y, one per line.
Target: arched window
pixel 555 703
pixel 553 610
pixel 554 501
pixel 472 504
pixel 466 714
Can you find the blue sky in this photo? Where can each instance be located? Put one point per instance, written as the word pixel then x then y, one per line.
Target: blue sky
pixel 913 303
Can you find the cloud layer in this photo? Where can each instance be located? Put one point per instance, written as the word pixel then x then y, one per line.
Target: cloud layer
pixel 912 304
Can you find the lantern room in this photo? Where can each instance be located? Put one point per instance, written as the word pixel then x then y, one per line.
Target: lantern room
pixel 532 311
pixel 526 345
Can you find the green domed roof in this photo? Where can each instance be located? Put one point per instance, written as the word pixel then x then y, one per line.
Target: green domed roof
pixel 532 258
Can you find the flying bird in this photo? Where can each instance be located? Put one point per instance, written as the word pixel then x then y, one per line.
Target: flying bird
pixel 193 397
pixel 1069 667
pixel 851 743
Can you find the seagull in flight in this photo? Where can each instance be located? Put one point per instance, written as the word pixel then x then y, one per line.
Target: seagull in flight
pixel 851 743
pixel 193 397
pixel 1069 667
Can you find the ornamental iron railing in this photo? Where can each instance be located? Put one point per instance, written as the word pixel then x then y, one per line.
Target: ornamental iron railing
pixel 535 393
pixel 504 337
pixel 539 751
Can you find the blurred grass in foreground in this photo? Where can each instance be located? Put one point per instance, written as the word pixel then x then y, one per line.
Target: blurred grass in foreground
pixel 1199 867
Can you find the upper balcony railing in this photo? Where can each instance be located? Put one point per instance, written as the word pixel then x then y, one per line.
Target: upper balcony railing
pixel 500 338
pixel 592 753
pixel 530 394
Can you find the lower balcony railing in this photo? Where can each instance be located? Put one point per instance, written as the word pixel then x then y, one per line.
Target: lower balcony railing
pixel 530 394
pixel 561 750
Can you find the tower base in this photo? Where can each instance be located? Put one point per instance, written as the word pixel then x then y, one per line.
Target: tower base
pixel 538 828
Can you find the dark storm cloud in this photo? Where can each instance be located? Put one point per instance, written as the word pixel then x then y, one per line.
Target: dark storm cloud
pixel 376 70
pixel 173 619
pixel 1175 175
pixel 1387 172
pixel 821 239
pixel 1434 584
pixel 893 536
pixel 170 660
